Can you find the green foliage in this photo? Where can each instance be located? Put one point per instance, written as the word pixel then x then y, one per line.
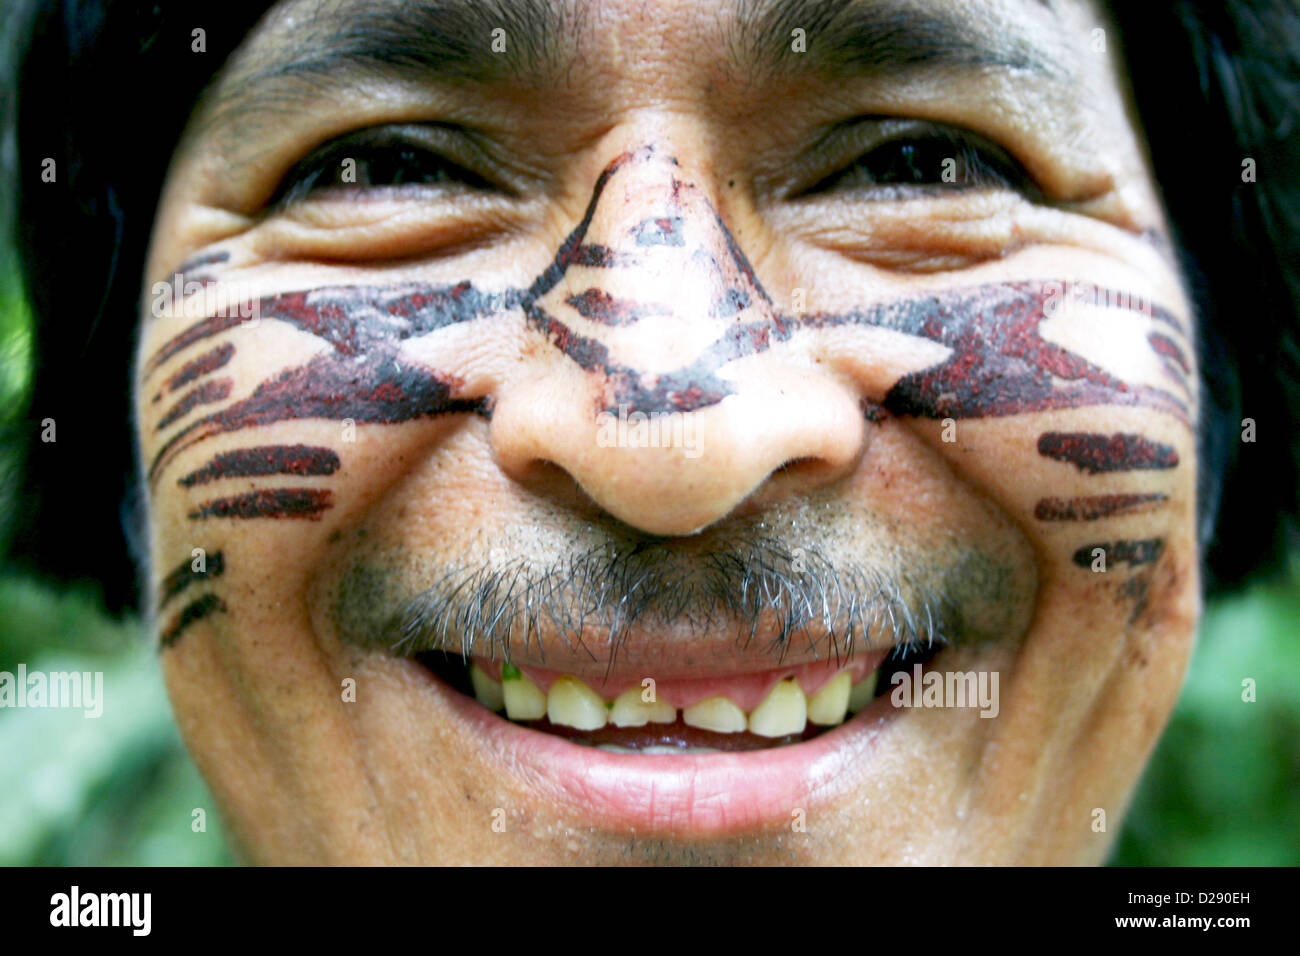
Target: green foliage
pixel 15 375
pixel 113 790
pixel 1224 786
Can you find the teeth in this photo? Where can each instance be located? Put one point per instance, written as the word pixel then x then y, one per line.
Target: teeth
pixel 828 706
pixel 786 710
pixel 783 711
pixel 486 691
pixel 717 714
pixel 630 710
pixel 572 703
pixel 862 693
pixel 524 700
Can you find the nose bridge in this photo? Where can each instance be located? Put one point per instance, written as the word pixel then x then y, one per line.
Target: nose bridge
pixel 662 397
pixel 654 275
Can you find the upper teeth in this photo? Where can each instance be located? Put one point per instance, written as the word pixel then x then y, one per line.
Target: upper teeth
pixel 829 705
pixel 783 711
pixel 571 703
pixel 629 710
pixel 486 690
pixel 717 714
pixel 524 700
pixel 862 693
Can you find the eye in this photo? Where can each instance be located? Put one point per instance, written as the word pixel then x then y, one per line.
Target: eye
pixel 930 158
pixel 376 159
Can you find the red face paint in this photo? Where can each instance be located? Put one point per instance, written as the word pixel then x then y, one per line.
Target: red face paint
pixel 1095 507
pixel 196 610
pixel 306 503
pixel 1132 553
pixel 352 319
pixel 386 390
pixel 600 306
pixel 205 364
pixel 205 394
pixel 185 575
pixel 265 460
pixel 198 269
pixel 1167 347
pixel 1095 453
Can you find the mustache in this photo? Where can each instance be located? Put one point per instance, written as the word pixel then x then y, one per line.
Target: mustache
pixel 758 587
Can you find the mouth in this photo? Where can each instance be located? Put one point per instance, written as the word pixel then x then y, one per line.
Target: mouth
pixel 699 715
pixel 699 757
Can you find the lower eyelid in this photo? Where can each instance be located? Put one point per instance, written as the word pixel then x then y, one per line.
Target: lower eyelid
pixel 924 234
pixel 378 226
pixel 941 234
pixel 916 208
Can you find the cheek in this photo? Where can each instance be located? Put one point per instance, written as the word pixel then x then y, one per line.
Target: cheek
pixel 1070 414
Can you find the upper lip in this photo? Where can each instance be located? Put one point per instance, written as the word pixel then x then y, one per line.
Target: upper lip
pixel 562 638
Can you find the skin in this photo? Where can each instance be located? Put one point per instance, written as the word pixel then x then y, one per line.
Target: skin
pixel 902 384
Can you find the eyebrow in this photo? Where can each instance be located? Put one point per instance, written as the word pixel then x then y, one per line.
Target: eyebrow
pixel 870 37
pixel 449 42
pixel 448 39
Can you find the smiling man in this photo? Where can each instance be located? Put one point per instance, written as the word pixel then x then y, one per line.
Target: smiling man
pixel 604 432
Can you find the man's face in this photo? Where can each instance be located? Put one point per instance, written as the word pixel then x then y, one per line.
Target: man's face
pixel 704 354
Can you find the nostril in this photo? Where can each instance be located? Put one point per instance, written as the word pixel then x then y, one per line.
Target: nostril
pixel 548 481
pixel 795 465
pixel 806 472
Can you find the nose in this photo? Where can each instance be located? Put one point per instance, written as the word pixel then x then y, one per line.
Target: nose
pixel 670 389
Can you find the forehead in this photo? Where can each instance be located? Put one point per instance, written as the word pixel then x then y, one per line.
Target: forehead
pixel 546 32
pixel 549 78
pixel 658 47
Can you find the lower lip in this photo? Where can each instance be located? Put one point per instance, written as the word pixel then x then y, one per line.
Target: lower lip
pixel 690 795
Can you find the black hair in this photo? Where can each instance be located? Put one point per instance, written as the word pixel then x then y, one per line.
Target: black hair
pixel 104 88
pixel 1217 90
pixel 1213 86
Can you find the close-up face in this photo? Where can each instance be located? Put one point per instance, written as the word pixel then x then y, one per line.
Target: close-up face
pixel 670 432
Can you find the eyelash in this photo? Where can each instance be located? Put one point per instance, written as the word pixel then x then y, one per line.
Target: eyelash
pixel 919 160
pixel 380 161
pixel 913 160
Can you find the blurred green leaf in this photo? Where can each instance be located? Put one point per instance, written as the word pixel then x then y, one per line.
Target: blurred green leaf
pixel 117 789
pixel 1223 788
